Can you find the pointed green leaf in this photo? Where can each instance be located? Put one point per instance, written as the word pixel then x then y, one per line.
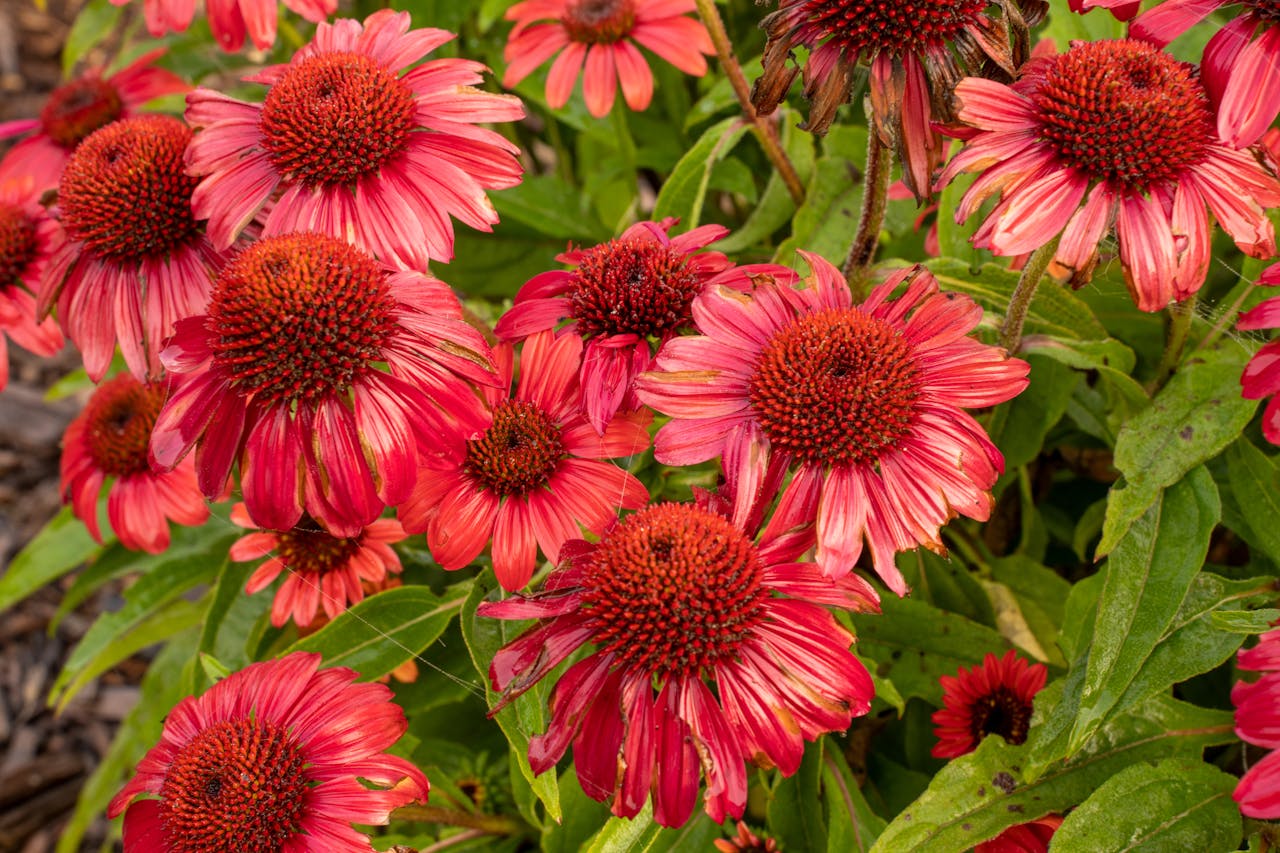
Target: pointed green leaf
pixel 795 805
pixel 1255 484
pixel 1173 805
pixel 826 222
pixel 685 190
pixel 59 547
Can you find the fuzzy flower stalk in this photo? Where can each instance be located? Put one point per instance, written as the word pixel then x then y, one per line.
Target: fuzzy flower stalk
pixel 671 601
pixel 864 401
pixel 915 53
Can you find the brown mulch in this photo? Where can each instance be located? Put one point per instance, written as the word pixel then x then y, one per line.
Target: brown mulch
pixel 44 758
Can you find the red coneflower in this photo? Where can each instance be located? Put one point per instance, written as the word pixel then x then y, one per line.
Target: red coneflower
pixel 108 441
pixel 284 377
pixel 278 756
pixel 623 293
pixel 601 32
pixel 1110 134
pixel 1031 837
pixel 670 598
pixel 75 110
pixel 27 236
pixel 324 572
pixel 357 149
pixel 532 475
pixel 916 51
pixel 134 260
pixel 230 19
pixel 1258 722
pixel 865 400
pixel 993 698
pixel 1261 376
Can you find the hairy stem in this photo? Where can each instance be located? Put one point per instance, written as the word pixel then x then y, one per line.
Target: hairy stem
pixel 1180 314
pixel 765 129
pixel 875 197
pixel 1020 302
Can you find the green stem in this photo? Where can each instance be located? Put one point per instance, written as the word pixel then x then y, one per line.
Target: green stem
pixel 875 197
pixel 1180 315
pixel 1020 302
pixel 486 823
pixel 766 130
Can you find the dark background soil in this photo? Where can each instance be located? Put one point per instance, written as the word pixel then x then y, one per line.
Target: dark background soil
pixel 44 759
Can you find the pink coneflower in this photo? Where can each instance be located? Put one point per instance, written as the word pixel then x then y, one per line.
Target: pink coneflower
pixel 134 260
pixel 358 150
pixel 916 51
pixel 866 402
pixel 285 378
pixel 1125 129
pixel 623 293
pixel 601 32
pixel 1031 837
pixel 670 598
pixel 27 236
pixel 230 20
pixel 108 441
pixel 1262 374
pixel 1241 65
pixel 325 573
pixel 1258 722
pixel 75 110
pixel 993 698
pixel 532 476
pixel 278 756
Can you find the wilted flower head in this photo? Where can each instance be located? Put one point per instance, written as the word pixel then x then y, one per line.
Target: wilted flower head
pixel 604 34
pixel 278 756
pixel 1110 135
pixel 916 52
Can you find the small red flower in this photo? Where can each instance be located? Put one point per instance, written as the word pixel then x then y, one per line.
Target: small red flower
pixel 324 572
pixel 357 141
pixel 602 33
pixel 134 260
pixel 623 293
pixel 1110 135
pixel 75 110
pixel 746 841
pixel 866 401
pixel 1032 837
pixel 1261 376
pixel 27 237
pixel 285 378
pixel 1258 722
pixel 670 598
pixel 916 51
pixel 230 19
pixel 108 441
pixel 533 475
pixel 278 756
pixel 993 698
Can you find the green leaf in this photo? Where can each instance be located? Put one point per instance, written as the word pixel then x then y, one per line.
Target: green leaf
pixel 385 630
pixel 1173 805
pixel 95 22
pixel 622 835
pixel 231 616
pixel 550 206
pixel 162 687
pixel 59 547
pixel 825 223
pixel 151 607
pixel 1055 311
pixel 914 644
pixel 686 189
pixel 1197 414
pixel 1019 427
pixel 583 818
pixel 795 805
pixel 526 715
pixel 776 207
pixel 977 796
pixel 1244 621
pixel 852 825
pixel 1146 580
pixel 1255 483
pixel 1041 595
